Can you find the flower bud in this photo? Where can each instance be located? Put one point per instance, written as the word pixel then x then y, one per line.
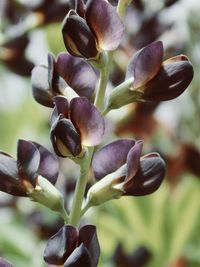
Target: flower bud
pixel 73 247
pixel 125 173
pixel 75 125
pixel 150 79
pixel 78 38
pixel 92 28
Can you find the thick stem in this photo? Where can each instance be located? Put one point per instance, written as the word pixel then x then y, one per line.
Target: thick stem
pixel 99 100
pixel 75 214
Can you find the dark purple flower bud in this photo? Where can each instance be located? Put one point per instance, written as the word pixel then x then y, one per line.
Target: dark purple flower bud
pixel 75 125
pixel 157 80
pixel 4 263
pixel 71 247
pixel 32 175
pixel 148 178
pixel 92 28
pixel 78 38
pixel 65 138
pixel 20 177
pixel 60 76
pixel 122 171
pixel 150 79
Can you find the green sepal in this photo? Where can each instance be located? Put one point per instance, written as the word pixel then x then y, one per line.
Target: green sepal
pixel 123 94
pixel 104 190
pixel 47 194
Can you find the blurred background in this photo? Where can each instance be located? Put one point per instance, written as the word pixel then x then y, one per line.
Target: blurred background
pixel 160 230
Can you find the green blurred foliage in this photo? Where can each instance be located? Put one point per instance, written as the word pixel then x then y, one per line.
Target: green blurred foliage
pixel 53 32
pixel 165 222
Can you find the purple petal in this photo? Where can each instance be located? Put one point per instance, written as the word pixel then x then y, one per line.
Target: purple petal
pixel 79 258
pixel 28 160
pixel 61 245
pixel 88 120
pixel 105 23
pixel 63 131
pixel 62 106
pixel 145 64
pixel 78 38
pixel 77 73
pixel 9 181
pixel 40 86
pixel 56 83
pixel 111 157
pixel 133 160
pixel 88 236
pixel 171 81
pixel 148 178
pixel 49 167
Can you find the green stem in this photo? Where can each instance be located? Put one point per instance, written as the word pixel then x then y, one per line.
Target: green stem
pixel 99 100
pixel 122 6
pixel 75 214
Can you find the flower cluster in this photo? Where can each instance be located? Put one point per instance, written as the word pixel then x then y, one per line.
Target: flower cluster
pixel 71 247
pixel 71 87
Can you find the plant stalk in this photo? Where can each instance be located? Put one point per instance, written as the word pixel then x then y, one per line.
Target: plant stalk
pixel 75 214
